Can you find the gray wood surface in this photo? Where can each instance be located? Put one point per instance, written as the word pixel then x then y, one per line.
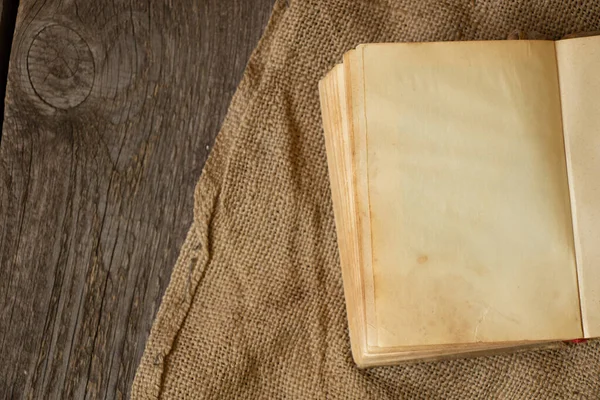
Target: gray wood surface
pixel 111 110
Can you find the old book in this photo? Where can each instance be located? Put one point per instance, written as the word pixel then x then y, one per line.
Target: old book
pixel 465 180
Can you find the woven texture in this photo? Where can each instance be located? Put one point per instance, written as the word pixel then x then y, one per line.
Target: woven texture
pixel 255 307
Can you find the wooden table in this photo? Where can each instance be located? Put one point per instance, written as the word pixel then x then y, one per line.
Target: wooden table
pixel 111 110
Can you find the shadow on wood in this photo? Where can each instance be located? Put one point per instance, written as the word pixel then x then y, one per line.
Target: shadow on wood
pixel 8 15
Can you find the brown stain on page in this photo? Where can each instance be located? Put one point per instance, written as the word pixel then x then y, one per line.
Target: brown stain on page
pixel 433 311
pixel 422 259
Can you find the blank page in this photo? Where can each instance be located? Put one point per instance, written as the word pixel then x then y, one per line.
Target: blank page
pixel 471 226
pixel 578 62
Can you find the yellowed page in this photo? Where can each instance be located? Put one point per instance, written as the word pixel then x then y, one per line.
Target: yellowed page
pixel 354 71
pixel 470 217
pixel 333 108
pixel 578 66
pixel 339 140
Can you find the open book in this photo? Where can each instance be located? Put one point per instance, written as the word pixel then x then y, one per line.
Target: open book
pixel 465 179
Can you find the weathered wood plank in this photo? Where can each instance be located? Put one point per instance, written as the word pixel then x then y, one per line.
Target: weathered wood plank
pixel 111 109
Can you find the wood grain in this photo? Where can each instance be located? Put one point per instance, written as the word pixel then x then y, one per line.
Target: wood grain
pixel 111 110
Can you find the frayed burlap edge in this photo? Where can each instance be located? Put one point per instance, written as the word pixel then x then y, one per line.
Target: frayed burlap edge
pixel 195 254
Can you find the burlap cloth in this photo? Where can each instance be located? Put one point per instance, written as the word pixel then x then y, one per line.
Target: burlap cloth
pixel 255 307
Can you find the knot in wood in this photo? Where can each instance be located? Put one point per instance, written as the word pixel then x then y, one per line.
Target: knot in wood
pixel 60 66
